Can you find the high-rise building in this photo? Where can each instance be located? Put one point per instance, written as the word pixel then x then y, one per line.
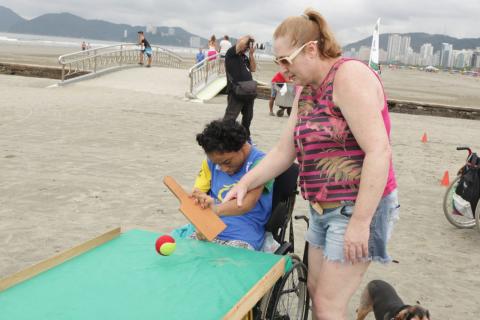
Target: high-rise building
pixel 382 57
pixel 446 55
pixel 393 49
pixel 436 58
pixel 404 45
pixel 475 63
pixel 195 42
pixel 426 54
pixel 462 58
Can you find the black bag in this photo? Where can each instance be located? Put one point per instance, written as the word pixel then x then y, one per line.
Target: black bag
pixel 245 89
pixel 469 184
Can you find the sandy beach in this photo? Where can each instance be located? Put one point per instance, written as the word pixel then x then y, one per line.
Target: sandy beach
pixel 413 85
pixel 79 160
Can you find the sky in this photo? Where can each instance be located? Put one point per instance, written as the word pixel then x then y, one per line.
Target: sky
pixel 351 20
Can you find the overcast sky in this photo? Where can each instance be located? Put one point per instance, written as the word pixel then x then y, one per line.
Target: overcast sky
pixel 351 20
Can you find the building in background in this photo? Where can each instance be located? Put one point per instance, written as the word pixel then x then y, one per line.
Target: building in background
pixel 195 42
pixel 426 54
pixel 475 63
pixel 363 53
pixel 151 29
pixel 393 48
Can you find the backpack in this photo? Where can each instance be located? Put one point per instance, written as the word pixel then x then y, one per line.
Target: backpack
pixel 469 184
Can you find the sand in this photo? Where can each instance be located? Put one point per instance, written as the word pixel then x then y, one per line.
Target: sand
pixel 76 161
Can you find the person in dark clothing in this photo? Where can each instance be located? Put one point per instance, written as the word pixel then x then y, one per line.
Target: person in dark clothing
pixel 239 67
pixel 145 49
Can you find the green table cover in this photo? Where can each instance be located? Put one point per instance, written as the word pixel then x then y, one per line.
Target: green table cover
pixel 126 279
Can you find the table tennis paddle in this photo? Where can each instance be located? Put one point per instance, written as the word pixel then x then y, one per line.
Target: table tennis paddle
pixel 204 220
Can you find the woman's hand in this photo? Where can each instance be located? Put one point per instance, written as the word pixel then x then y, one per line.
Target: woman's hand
pixel 203 199
pixel 239 191
pixel 355 246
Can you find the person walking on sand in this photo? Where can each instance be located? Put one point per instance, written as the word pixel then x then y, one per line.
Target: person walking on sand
pixel 212 48
pixel 340 137
pixel 239 67
pixel 145 49
pixel 225 44
pixel 200 56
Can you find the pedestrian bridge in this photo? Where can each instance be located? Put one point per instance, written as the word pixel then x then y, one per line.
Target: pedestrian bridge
pixel 169 74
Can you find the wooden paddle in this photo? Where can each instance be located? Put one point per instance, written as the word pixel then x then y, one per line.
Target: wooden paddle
pixel 204 220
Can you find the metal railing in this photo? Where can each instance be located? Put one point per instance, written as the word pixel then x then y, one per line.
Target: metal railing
pixel 204 72
pixel 98 59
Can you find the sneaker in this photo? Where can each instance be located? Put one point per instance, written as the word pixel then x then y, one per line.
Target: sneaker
pixel 272 114
pixel 148 66
pixel 140 63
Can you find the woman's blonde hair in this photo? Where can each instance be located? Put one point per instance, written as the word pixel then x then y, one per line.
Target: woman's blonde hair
pixel 310 26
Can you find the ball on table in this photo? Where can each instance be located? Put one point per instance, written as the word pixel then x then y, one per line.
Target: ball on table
pixel 165 245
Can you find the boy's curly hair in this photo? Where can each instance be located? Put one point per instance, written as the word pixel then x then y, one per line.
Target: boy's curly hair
pixel 222 136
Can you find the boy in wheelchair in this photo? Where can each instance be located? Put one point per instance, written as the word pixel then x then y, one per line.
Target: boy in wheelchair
pixel 229 157
pixel 263 218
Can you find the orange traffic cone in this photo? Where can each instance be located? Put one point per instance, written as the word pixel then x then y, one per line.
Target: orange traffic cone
pixel 424 137
pixel 445 180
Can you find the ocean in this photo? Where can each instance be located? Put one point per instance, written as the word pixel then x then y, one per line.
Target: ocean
pixel 75 43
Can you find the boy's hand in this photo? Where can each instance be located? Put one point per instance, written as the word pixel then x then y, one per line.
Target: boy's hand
pixel 201 237
pixel 201 198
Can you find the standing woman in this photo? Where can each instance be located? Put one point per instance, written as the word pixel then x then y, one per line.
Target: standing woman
pixel 340 137
pixel 212 48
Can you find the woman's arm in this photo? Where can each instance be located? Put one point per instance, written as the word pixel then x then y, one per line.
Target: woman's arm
pixel 228 208
pixel 360 97
pixel 275 162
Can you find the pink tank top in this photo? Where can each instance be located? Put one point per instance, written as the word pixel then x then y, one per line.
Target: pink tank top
pixel 329 156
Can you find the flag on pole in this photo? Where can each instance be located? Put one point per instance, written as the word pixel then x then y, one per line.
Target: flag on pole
pixel 373 62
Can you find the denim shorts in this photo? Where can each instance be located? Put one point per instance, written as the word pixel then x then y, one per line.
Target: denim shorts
pixel 327 231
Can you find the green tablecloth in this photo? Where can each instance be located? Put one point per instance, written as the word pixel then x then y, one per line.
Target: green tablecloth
pixel 126 279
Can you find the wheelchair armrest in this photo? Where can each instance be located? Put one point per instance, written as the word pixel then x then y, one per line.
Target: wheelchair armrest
pixel 304 218
pixel 285 248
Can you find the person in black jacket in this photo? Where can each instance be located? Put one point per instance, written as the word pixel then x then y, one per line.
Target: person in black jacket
pixel 239 66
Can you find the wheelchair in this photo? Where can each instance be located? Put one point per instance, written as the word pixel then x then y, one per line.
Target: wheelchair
pixel 289 298
pixel 464 213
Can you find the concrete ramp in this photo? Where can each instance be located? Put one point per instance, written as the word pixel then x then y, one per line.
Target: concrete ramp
pixel 212 89
pixel 155 80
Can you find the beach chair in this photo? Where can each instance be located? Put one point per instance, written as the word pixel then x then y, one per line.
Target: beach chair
pixel 288 299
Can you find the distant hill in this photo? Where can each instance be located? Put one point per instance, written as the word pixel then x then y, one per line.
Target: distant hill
pixel 418 39
pixel 69 25
pixel 8 18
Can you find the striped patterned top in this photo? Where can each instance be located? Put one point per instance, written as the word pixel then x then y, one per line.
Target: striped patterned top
pixel 329 156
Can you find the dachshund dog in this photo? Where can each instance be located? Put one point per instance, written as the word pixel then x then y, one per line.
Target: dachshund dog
pixel 381 298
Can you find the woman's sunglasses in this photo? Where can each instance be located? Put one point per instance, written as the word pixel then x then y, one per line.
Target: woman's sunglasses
pixel 288 60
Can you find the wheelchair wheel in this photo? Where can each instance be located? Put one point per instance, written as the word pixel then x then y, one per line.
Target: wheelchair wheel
pixel 453 216
pixel 290 299
pixel 280 112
